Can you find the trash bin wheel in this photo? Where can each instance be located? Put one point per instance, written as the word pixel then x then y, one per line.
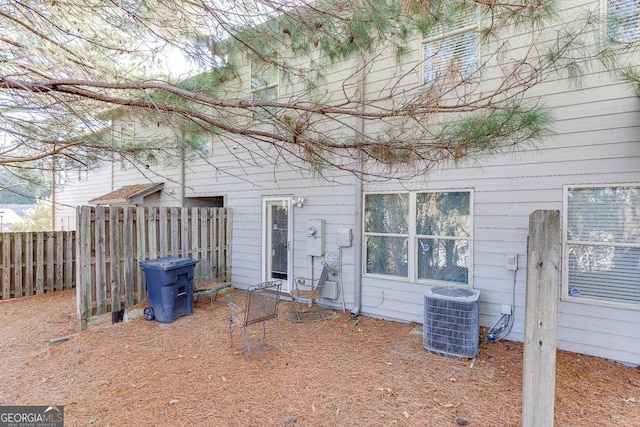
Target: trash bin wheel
pixel 148 313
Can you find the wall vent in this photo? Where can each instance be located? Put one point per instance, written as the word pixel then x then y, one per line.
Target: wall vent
pixel 451 321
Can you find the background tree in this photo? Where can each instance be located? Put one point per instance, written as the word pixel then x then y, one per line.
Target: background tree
pixel 64 63
pixel 38 218
pixel 22 188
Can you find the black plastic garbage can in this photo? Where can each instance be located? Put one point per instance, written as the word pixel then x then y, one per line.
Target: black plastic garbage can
pixel 169 287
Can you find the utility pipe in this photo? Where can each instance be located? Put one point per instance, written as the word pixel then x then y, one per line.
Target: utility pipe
pixel 357 232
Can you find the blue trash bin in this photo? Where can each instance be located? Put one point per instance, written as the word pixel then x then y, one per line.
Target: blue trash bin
pixel 169 287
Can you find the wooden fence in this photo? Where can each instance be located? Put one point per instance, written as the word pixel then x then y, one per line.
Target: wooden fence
pixel 33 263
pixel 112 241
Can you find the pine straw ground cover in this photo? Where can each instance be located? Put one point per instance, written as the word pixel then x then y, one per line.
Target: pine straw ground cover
pixel 339 372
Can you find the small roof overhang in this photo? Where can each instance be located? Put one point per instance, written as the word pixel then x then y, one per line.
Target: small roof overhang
pixel 128 195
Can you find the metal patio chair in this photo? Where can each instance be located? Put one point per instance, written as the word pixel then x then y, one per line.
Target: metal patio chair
pixel 309 291
pixel 261 305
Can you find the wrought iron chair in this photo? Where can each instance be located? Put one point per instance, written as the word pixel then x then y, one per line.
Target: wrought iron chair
pixel 261 305
pixel 310 295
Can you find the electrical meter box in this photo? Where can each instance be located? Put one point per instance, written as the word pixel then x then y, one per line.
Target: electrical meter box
pixel 315 237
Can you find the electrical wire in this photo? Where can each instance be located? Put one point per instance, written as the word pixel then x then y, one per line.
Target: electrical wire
pixel 505 328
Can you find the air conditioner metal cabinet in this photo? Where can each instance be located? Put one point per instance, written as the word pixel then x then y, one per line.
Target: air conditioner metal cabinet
pixel 451 321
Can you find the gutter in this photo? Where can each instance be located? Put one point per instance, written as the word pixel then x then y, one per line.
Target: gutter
pixel 357 233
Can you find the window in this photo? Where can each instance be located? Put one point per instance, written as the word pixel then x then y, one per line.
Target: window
pixel 623 21
pixel 449 52
pixel 264 86
pixel 386 228
pixel 126 138
pixel 443 229
pixel 602 244
pixel 423 236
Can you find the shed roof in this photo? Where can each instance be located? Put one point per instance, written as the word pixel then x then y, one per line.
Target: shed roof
pixel 128 195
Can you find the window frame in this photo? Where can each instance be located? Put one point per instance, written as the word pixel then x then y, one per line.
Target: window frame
pixel 605 31
pixel 413 238
pixel 439 35
pixel 565 294
pixel 268 86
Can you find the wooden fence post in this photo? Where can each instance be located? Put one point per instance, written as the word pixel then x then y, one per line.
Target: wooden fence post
pixel 541 318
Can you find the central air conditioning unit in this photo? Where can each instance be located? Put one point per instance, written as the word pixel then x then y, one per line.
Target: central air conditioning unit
pixel 451 321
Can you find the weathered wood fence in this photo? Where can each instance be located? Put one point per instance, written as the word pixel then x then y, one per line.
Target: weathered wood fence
pixel 111 241
pixel 33 263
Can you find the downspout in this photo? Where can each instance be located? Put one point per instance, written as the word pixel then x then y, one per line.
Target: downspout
pixel 182 176
pixel 357 232
pixel 53 198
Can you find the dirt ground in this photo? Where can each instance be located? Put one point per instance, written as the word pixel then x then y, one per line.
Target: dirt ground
pixel 339 372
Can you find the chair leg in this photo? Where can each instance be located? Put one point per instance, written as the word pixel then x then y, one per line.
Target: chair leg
pixel 246 342
pixel 277 327
pixel 319 309
pixel 296 314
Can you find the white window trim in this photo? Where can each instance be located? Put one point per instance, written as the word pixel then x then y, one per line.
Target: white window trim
pixel 412 271
pixel 565 295
pixel 444 35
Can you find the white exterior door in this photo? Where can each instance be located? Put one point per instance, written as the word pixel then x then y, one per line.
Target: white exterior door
pixel 277 240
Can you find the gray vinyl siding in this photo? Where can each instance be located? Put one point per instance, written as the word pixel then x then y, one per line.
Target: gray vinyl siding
pixel 596 141
pixel 70 192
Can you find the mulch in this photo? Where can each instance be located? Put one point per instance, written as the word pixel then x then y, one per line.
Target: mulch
pixel 341 371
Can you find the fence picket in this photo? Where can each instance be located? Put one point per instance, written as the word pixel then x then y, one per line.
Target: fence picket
pixel 69 258
pixel 6 265
pixel 163 232
pixel 175 232
pixel 100 262
pixel 184 231
pixel 28 263
pixel 59 263
pixel 83 253
pixel 17 266
pixel 114 258
pixel 49 263
pixel 40 265
pixel 141 250
pixel 128 245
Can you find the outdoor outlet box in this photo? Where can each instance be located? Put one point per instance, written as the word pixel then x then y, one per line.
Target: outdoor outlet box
pixel 506 309
pixel 330 290
pixel 345 236
pixel 511 262
pixel 315 237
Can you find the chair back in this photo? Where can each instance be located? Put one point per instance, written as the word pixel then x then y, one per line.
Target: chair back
pixel 262 302
pixel 324 276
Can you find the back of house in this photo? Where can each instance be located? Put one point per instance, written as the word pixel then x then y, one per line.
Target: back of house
pixel 392 233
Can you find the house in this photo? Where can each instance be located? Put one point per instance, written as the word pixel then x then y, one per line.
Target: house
pixel 461 224
pixel 11 215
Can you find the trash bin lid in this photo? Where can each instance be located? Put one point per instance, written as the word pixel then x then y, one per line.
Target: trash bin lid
pixel 167 263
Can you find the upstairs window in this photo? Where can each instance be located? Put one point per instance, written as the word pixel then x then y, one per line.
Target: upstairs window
pixel 449 51
pixel 126 140
pixel 602 244
pixel 264 86
pixel 623 21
